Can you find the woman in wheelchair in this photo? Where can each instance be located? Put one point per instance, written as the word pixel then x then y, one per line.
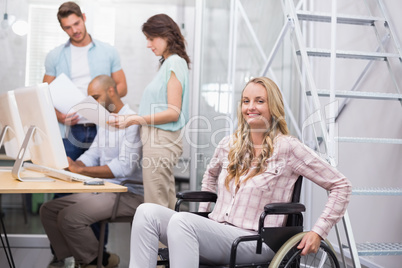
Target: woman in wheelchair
pixel 257 165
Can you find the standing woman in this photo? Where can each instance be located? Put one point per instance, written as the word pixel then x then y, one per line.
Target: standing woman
pixel 163 110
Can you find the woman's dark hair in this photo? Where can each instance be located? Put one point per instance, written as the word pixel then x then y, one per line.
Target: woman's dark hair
pixel 161 25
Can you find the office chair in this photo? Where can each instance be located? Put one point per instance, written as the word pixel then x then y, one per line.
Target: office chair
pixel 113 218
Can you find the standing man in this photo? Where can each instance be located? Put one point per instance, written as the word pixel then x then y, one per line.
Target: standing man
pixel 114 155
pixel 82 58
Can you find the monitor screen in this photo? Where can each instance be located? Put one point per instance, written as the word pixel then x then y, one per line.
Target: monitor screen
pixel 11 131
pixel 36 109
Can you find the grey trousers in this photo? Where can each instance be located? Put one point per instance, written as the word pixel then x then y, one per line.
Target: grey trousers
pixel 67 221
pixel 160 153
pixel 191 239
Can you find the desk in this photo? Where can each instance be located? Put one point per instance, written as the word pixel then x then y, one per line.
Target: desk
pixel 10 185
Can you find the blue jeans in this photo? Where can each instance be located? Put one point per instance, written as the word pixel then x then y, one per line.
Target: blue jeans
pixel 79 138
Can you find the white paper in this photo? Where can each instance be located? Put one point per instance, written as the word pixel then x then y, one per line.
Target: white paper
pixel 93 111
pixel 65 94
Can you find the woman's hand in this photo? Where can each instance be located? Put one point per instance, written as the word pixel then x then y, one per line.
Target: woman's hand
pixel 310 243
pixel 123 121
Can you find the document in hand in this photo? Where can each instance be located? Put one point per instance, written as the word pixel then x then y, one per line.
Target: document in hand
pixel 65 94
pixel 67 98
pixel 94 112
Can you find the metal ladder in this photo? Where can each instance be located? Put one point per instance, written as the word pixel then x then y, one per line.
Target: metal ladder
pixel 324 135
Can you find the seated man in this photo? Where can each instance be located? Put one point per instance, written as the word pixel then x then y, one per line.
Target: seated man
pixel 67 220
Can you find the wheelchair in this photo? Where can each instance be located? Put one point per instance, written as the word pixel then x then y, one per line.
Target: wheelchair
pixel 282 240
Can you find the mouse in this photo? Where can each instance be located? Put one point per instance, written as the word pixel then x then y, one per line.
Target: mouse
pixel 95 181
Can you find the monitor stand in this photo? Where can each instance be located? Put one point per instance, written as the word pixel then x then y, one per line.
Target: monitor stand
pixel 3 134
pixel 2 137
pixel 15 172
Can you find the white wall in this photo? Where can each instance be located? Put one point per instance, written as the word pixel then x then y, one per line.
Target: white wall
pixel 12 48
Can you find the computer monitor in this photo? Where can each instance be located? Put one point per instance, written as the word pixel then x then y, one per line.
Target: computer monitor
pixel 11 131
pixel 43 138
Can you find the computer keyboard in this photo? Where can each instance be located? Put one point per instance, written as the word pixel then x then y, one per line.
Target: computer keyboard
pixel 59 173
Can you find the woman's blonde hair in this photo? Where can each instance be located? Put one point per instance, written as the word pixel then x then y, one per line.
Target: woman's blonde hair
pixel 241 153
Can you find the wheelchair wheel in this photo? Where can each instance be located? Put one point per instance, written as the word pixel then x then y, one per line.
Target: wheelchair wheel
pixel 288 256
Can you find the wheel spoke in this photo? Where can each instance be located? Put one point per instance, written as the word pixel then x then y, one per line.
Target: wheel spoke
pixel 324 258
pixel 321 259
pixel 289 256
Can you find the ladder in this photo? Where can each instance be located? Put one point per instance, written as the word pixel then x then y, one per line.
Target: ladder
pixel 298 20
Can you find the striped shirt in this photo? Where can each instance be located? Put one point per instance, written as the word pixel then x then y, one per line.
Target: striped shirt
pixel 290 159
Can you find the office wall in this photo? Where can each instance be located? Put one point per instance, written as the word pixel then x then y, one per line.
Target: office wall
pixel 13 48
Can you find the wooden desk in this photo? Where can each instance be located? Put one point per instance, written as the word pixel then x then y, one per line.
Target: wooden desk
pixel 10 185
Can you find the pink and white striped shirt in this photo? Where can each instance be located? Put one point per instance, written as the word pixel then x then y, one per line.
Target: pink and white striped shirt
pixel 290 159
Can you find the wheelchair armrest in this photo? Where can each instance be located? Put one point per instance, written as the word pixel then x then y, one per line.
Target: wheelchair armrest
pixel 279 208
pixel 284 208
pixel 194 196
pixel 197 196
pixel 277 236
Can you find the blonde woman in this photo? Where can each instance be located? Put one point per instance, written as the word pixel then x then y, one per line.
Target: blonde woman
pixel 257 165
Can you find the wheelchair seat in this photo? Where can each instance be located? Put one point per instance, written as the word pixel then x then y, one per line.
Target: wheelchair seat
pixel 282 240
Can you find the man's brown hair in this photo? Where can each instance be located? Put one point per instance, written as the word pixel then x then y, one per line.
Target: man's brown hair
pixel 68 8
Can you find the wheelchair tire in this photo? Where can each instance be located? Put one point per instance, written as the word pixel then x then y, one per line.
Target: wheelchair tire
pixel 288 256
